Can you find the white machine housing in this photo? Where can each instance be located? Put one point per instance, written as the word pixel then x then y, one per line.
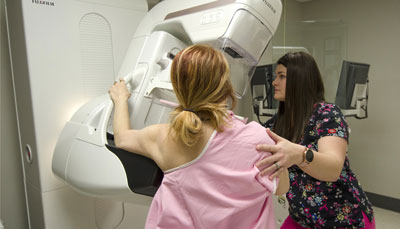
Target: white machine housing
pixel 241 28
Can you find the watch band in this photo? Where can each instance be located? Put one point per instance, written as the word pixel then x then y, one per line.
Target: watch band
pixel 305 159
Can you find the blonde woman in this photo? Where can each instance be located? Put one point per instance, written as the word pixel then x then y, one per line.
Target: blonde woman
pixel 208 156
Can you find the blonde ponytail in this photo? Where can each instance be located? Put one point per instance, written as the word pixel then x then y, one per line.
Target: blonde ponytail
pixel 200 77
pixel 187 126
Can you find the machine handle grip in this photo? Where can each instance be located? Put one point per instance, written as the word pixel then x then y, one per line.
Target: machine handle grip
pixel 109 107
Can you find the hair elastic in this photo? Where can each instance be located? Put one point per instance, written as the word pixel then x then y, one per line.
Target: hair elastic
pixel 190 110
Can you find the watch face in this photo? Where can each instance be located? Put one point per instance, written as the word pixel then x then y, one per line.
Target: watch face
pixel 309 155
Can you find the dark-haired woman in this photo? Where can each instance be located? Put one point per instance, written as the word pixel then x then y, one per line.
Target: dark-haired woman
pixel 312 137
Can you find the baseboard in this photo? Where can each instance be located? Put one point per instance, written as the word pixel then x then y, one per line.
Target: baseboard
pixel 384 202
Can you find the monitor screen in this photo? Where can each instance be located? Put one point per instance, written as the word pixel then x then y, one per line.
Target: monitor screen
pixel 261 86
pixel 352 77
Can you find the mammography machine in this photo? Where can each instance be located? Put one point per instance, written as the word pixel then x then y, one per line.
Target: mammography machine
pixel 116 185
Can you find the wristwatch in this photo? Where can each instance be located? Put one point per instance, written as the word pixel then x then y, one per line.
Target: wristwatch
pixel 308 157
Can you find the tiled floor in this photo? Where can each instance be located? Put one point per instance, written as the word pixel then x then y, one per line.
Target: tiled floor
pixel 385 219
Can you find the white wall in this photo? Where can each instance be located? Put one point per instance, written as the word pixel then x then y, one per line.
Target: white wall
pixel 12 198
pixel 362 31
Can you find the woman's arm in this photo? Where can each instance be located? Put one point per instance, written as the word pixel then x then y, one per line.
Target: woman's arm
pixel 138 141
pixel 283 185
pixel 326 165
pixel 329 160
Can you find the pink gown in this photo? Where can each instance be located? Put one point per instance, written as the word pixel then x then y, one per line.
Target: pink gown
pixel 221 188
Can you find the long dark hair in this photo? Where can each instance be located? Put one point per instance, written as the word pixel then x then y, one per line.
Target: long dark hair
pixel 304 88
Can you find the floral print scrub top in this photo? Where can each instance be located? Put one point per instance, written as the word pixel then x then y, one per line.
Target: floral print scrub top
pixel 319 204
